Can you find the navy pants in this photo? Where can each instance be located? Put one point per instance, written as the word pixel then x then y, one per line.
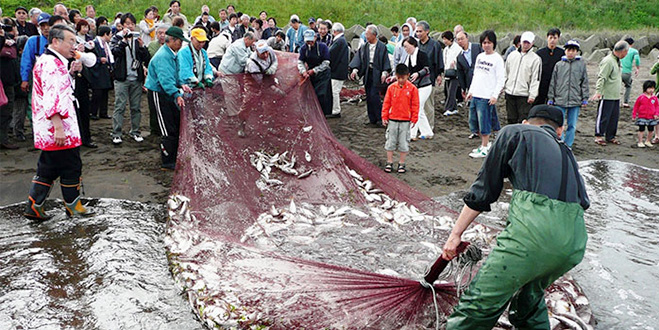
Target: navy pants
pixel 373 102
pixel 606 123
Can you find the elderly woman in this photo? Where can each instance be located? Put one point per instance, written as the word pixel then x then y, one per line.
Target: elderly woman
pixel 419 66
pixel 450 56
pixel 313 64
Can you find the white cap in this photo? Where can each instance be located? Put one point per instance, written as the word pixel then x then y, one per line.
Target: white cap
pixel 262 46
pixel 294 17
pixel 527 36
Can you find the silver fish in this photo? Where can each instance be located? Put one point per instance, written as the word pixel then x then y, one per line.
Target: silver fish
pixel 307 156
pixel 305 174
pixel 307 129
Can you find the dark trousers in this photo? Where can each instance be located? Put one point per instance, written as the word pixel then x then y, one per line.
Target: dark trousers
pixel 215 61
pixel 517 108
pixel 6 113
pixel 606 123
pixel 169 120
pixel 82 109
pixel 451 86
pixel 373 102
pixel 99 106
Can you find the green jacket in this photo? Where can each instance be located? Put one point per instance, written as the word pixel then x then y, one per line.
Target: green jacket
pixel 609 81
pixel 655 71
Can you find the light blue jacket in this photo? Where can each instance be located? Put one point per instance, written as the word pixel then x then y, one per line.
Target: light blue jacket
pixel 294 42
pixel 235 58
pixel 186 64
pixel 163 73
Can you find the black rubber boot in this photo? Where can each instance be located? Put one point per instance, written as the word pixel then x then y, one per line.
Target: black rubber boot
pixel 39 191
pixel 71 194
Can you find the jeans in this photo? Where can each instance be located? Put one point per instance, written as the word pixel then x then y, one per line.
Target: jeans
pixel 572 114
pixel 483 117
pixel 124 92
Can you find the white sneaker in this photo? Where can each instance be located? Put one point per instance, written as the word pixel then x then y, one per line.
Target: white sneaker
pixel 489 145
pixel 138 138
pixel 117 140
pixel 461 105
pixel 450 113
pixel 640 145
pixel 481 152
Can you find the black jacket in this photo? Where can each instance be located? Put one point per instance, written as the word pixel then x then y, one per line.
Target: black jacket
pixel 339 58
pixel 380 63
pixel 236 34
pixel 549 60
pixel 433 49
pixel 465 71
pixel 422 67
pixel 118 48
pixel 100 73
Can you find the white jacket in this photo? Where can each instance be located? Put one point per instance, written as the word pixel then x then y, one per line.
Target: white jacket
pixel 451 54
pixel 218 45
pixel 523 74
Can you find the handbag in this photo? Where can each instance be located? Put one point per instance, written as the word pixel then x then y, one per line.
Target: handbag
pixel 450 73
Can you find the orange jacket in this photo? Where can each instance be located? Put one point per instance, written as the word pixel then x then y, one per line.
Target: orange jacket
pixel 401 103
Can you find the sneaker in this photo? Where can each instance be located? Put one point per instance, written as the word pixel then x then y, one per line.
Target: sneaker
pixel 472 136
pixel 461 105
pixel 450 113
pixel 138 138
pixel 649 144
pixel 640 145
pixel 489 145
pixel 117 140
pixel 481 152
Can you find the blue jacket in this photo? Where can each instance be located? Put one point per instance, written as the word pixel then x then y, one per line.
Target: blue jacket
pixel 186 65
pixel 294 44
pixel 163 73
pixel 30 53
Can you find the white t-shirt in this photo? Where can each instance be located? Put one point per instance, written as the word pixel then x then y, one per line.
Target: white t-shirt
pixel 489 76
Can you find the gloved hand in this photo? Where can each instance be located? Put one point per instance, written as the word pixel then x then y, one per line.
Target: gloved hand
pixel 199 85
pixel 208 82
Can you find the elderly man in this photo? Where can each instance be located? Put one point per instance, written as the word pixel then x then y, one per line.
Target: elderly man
pixel 130 54
pixel 166 94
pixel 194 67
pixel 372 63
pixel 523 68
pixel 339 61
pixel 295 35
pixel 235 58
pixel 433 49
pixel 25 27
pixel 175 11
pixel 607 92
pixel 60 10
pixel 466 61
pixel 34 16
pixel 56 131
pixel 244 26
pixel 263 61
pixel 156 43
pixel 549 56
pixel 314 64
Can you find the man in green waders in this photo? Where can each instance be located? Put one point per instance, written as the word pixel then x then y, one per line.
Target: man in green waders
pixel 545 234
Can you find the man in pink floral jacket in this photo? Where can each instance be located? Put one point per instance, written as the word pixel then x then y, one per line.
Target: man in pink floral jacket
pixel 55 126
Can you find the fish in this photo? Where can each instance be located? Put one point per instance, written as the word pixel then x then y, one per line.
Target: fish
pixel 305 174
pixel 307 129
pixel 307 156
pixel 291 207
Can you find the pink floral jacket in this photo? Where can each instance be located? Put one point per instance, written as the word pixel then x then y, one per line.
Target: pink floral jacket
pixel 52 93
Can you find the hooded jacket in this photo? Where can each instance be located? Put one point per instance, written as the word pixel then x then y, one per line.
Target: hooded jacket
pixel 523 74
pixel 569 83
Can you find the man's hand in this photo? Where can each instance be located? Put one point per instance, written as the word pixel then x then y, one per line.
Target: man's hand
pixel 468 97
pixel 596 97
pixel 464 95
pixel 385 122
pixel 391 79
pixel 451 246
pixel 25 86
pixel 126 33
pixel 140 41
pixel 530 100
pixel 493 101
pixel 636 72
pixel 186 89
pixel 60 137
pixel 311 72
pixel 305 74
pixel 104 60
pixel 76 66
pixel 180 102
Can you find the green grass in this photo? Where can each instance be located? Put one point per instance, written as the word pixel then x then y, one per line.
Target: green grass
pixel 475 15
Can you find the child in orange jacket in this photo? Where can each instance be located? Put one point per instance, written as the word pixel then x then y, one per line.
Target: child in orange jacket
pixel 399 111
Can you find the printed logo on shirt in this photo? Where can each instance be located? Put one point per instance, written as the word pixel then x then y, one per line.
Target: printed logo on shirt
pixel 484 65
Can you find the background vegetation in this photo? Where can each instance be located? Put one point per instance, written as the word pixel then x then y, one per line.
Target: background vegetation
pixel 475 15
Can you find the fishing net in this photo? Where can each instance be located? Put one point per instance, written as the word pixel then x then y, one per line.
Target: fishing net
pixel 275 224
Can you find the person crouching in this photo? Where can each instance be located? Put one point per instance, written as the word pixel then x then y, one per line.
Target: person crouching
pixel 400 108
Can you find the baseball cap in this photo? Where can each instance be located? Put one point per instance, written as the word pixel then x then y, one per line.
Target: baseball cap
pixel 295 19
pixel 572 44
pixel 548 112
pixel 177 33
pixel 527 36
pixel 20 8
pixel 312 20
pixel 309 35
pixel 199 34
pixel 262 46
pixel 43 18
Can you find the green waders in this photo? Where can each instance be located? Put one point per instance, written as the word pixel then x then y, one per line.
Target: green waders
pixel 543 239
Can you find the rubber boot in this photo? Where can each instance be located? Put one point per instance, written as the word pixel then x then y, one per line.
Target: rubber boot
pixel 39 191
pixel 71 194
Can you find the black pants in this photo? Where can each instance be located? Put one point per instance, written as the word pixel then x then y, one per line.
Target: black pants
pixel 169 120
pixel 606 123
pixel 64 164
pixel 99 106
pixel 322 85
pixel 517 108
pixel 6 113
pixel 373 102
pixel 82 109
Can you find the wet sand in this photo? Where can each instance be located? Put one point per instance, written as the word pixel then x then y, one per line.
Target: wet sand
pixel 436 167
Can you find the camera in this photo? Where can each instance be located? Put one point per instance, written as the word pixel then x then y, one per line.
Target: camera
pixel 135 34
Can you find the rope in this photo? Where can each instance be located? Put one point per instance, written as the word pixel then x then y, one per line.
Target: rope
pixel 434 300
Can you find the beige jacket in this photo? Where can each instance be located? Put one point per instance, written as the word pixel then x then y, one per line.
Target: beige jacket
pixel 523 74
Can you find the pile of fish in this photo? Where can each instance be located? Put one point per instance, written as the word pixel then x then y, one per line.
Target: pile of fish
pixel 264 162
